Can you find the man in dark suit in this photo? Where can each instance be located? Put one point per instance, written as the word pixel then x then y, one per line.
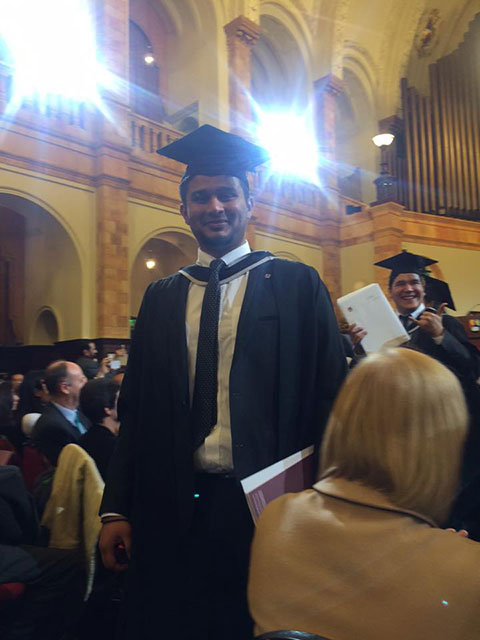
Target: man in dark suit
pixel 234 365
pixel 61 423
pixel 98 401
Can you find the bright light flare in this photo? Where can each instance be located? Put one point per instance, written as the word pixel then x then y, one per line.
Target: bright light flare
pixel 53 50
pixel 150 263
pixel 290 140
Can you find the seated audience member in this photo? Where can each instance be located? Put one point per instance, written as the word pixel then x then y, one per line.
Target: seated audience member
pixel 8 427
pixel 98 401
pixel 362 555
pixel 16 379
pixel 33 394
pixel 61 423
pixel 88 361
pixel 54 579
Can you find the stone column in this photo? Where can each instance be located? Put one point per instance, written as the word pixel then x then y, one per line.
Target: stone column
pixel 387 236
pixel 241 35
pixel 112 157
pixel 332 268
pixel 326 90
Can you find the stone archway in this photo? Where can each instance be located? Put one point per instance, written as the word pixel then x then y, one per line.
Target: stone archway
pixel 170 251
pixel 278 61
pixel 43 272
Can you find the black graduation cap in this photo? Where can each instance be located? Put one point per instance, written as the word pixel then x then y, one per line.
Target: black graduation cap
pixel 438 291
pixel 210 151
pixel 405 262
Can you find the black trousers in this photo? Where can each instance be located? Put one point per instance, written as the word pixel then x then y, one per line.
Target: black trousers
pixel 53 601
pixel 215 558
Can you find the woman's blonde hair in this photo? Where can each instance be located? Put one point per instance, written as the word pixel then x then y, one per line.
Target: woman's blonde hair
pixel 399 425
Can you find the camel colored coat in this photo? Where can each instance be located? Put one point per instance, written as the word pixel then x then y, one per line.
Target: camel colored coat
pixel 342 561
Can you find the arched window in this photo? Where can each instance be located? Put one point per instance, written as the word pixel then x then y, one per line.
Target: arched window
pixel 144 76
pixel 45 330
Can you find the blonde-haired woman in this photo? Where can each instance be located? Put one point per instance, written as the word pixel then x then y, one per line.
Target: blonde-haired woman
pixel 362 555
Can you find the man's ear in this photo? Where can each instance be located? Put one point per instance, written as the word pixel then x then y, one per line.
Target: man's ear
pixel 183 212
pixel 64 387
pixel 250 203
pixel 107 411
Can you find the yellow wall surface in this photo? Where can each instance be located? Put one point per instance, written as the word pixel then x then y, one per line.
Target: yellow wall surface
pixel 357 266
pixel 53 277
pixel 292 249
pixel 60 270
pixel 459 267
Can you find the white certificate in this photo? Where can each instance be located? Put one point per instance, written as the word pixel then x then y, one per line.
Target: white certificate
pixel 369 308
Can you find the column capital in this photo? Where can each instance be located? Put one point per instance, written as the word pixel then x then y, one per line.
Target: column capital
pixel 244 30
pixel 330 84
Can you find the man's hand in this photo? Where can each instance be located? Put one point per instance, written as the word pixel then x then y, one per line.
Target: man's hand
pixel 463 533
pixel 431 323
pixel 112 535
pixel 356 334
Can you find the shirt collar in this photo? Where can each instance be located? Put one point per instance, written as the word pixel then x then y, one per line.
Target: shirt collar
pixel 69 414
pixel 204 259
pixel 418 311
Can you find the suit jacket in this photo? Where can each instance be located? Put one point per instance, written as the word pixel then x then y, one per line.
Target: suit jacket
pixel 287 367
pixel 53 431
pixel 344 562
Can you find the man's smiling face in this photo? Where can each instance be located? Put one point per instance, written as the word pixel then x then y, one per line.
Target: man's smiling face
pixel 407 292
pixel 217 212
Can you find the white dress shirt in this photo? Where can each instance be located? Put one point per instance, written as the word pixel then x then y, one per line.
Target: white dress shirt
pixel 215 455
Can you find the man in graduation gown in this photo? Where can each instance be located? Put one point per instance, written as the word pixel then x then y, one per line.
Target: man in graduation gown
pixel 234 365
pixel 430 329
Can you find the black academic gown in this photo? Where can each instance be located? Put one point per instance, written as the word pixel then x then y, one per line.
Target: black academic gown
pixel 461 357
pixel 455 351
pixel 287 368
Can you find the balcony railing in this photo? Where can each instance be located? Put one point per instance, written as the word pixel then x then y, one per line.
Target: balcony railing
pixel 55 114
pixel 146 136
